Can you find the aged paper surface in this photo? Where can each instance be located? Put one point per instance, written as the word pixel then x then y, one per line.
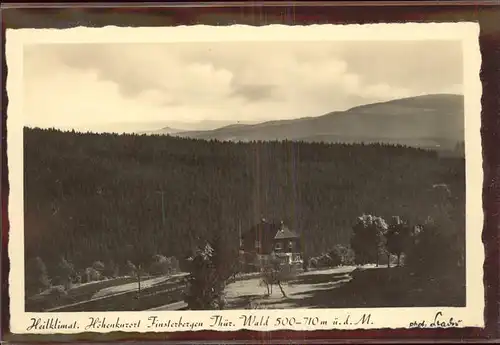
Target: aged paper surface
pixel 41 96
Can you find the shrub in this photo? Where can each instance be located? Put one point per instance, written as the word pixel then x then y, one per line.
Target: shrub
pixel 98 266
pixel 162 265
pixel 131 269
pixel 368 238
pixel 433 252
pixel 397 239
pixel 57 292
pixel 111 269
pixel 343 255
pixel 92 275
pixel 323 261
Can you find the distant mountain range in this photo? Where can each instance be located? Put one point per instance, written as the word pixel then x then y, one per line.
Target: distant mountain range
pixel 155 127
pixel 183 127
pixel 430 121
pixel 163 131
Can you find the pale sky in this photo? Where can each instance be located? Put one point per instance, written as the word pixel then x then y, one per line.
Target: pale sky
pixel 87 85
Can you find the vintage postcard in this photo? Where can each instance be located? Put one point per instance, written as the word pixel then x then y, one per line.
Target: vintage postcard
pixel 263 178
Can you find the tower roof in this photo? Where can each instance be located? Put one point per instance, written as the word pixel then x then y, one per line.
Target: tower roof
pixel 285 233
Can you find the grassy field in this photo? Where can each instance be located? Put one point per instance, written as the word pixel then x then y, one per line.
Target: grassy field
pixel 247 292
pixel 100 295
pixel 341 287
pixel 251 294
pixel 350 287
pixel 77 293
pixel 344 287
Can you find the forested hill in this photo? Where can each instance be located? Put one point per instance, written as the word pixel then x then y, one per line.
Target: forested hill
pixel 427 121
pixel 96 196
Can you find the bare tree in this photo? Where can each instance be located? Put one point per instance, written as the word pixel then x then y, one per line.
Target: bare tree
pixel 276 272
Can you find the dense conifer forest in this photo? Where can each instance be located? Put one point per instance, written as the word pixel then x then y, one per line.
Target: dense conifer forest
pixel 98 197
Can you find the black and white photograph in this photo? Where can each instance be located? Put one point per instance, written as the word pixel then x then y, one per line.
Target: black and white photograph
pixel 245 175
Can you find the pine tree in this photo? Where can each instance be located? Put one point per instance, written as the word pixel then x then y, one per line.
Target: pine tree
pixel 205 290
pixel 65 273
pixel 37 278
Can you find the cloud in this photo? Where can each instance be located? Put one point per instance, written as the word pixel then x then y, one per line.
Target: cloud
pixel 80 85
pixel 253 92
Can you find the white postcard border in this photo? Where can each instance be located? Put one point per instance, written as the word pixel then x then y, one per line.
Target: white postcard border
pixel 470 316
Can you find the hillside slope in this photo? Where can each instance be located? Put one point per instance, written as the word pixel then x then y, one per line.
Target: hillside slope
pixel 431 121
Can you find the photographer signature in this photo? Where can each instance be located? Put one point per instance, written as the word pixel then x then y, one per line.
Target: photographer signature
pixel 439 321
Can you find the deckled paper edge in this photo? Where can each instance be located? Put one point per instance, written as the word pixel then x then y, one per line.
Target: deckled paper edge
pixel 472 315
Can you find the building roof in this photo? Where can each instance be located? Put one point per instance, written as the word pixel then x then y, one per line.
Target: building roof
pixel 270 230
pixel 285 233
